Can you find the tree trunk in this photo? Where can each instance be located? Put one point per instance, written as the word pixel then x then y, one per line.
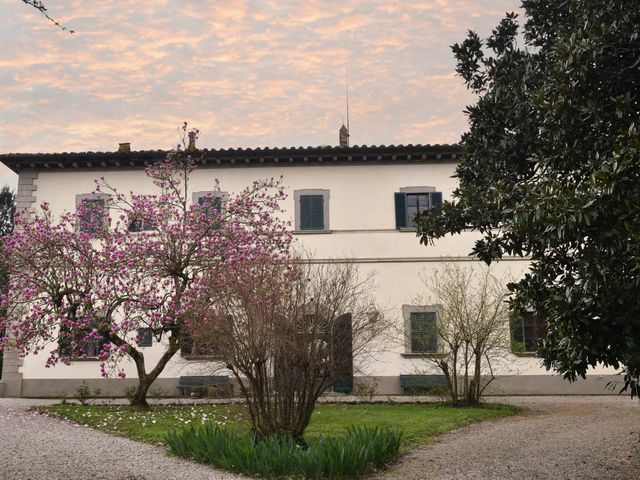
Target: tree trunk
pixel 139 399
pixel 444 367
pixel 477 378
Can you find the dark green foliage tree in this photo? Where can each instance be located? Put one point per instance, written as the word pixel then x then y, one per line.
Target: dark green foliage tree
pixel 551 169
pixel 7 212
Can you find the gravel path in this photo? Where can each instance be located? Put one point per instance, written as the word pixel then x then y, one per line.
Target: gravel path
pixel 35 447
pixel 583 438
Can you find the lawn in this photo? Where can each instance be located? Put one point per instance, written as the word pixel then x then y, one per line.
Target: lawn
pixel 418 422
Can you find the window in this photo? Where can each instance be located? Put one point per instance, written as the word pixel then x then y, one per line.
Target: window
pixel 411 200
pixel 72 343
pixel 190 349
pixel 140 225
pixel 420 328
pixel 212 201
pixel 145 336
pixel 416 202
pixel 423 332
pixel 93 212
pixel 186 345
pixel 311 210
pixel 526 331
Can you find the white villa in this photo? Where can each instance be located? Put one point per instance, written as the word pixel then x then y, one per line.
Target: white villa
pixel 345 202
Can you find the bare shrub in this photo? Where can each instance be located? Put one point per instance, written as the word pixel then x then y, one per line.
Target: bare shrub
pixel 472 328
pixel 288 331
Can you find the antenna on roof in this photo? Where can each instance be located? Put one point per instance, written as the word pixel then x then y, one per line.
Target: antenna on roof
pixel 346 82
pixel 344 131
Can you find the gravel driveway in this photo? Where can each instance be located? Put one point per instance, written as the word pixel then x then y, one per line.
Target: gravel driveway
pixel 585 438
pixel 36 447
pixel 563 438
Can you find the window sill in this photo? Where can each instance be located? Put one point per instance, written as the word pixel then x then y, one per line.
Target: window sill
pixel 195 358
pixel 311 232
pixel 524 354
pixel 87 359
pixel 407 229
pixel 423 355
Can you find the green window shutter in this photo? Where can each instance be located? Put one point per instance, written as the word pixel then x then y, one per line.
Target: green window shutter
pixel 342 348
pixel 436 202
pixel 424 338
pixel 311 212
pixel 317 212
pixel 401 209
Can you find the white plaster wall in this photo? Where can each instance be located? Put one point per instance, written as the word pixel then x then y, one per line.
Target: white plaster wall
pixel 361 196
pixel 362 221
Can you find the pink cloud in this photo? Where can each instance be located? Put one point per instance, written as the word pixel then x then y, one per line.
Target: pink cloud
pixel 247 73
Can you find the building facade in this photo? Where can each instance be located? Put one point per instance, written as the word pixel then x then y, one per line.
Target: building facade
pixel 344 202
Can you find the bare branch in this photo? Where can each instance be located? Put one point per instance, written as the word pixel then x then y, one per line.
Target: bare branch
pixel 41 7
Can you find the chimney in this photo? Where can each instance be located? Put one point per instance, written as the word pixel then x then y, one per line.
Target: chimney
pixel 124 147
pixel 192 141
pixel 344 136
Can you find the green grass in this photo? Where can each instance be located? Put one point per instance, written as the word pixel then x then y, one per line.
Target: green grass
pixel 419 423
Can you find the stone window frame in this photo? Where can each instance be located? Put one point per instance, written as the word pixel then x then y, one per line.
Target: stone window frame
pixel 407 310
pixel 297 194
pixel 81 197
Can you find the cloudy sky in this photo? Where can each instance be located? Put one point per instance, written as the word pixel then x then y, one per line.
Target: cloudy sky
pixel 246 73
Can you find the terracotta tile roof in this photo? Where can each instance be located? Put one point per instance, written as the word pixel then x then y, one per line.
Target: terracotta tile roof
pixel 239 157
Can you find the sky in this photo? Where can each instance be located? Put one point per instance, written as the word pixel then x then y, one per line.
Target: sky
pixel 245 73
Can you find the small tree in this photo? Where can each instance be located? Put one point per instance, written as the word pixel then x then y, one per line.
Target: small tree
pixel 472 328
pixel 85 285
pixel 288 331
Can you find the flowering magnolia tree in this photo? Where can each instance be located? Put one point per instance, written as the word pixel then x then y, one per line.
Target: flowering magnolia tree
pixel 94 282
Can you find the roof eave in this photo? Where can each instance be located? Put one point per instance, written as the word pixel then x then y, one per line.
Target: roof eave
pixel 357 155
